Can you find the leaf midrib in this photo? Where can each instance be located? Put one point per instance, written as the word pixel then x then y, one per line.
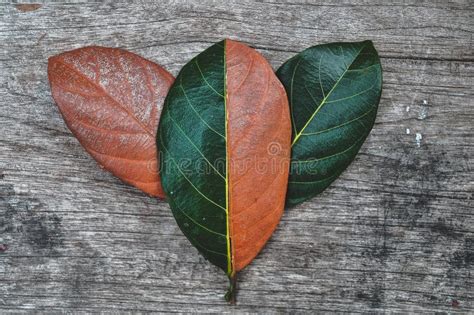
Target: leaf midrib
pixel 228 245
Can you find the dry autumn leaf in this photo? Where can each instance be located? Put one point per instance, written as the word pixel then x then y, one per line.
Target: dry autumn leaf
pixel 111 100
pixel 224 139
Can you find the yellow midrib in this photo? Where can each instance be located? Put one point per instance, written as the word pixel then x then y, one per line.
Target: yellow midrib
pixel 229 256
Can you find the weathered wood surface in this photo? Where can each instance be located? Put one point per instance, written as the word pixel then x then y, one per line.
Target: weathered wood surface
pixel 394 233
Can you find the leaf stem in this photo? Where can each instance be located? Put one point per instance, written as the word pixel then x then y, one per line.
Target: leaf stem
pixel 232 291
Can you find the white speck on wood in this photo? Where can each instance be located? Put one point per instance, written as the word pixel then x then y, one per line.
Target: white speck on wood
pixel 418 138
pixel 423 113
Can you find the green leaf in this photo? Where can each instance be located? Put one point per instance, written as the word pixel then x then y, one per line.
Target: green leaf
pixel 193 139
pixel 333 91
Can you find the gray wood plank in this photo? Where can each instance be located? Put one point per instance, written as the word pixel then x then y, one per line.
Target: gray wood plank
pixel 394 234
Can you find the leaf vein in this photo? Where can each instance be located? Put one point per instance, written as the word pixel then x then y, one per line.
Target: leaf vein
pixel 197 149
pixel 205 80
pixel 340 125
pixel 316 181
pixel 362 69
pixel 187 179
pixel 198 224
pixel 352 96
pixel 332 155
pixel 194 109
pixel 291 96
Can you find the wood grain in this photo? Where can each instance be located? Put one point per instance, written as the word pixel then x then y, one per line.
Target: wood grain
pixel 393 234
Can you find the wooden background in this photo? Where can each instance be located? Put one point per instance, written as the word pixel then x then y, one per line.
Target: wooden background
pixel 394 233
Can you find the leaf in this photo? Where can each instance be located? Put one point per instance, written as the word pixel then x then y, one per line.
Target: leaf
pixel 334 91
pixel 224 139
pixel 111 100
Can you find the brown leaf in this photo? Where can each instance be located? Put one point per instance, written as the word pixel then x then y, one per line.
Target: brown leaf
pixel 259 134
pixel 27 7
pixel 111 100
